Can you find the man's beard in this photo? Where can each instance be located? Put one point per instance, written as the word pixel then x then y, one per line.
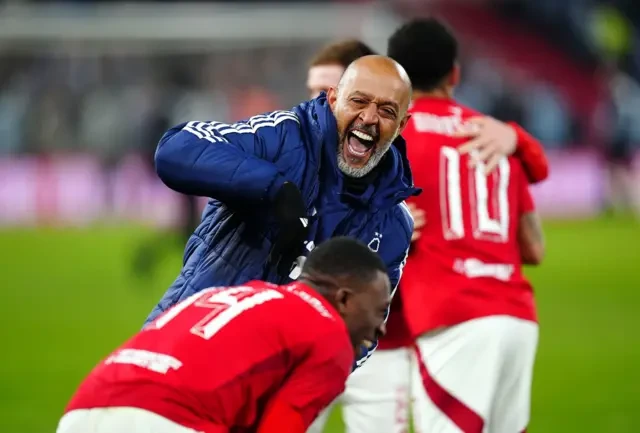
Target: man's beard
pixel 374 160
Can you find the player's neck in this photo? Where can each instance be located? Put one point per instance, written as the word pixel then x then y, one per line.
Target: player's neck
pixel 438 93
pixel 319 288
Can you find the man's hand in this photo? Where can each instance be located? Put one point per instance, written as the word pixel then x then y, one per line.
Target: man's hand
pixel 491 141
pixel 419 220
pixel 291 213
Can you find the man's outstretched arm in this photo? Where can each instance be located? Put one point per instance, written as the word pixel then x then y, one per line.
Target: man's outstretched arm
pixel 228 162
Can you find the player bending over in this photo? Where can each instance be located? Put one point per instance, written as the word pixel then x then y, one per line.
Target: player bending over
pixel 252 358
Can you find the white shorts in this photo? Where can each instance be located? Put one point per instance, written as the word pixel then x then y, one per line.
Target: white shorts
pixel 117 420
pixel 377 395
pixel 477 377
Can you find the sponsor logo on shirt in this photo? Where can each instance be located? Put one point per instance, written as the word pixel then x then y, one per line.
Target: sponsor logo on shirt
pixel 474 268
pixel 157 362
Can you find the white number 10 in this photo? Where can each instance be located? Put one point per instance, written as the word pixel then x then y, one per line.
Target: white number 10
pixel 484 227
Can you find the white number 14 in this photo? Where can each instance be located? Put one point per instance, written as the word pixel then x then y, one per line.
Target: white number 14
pixel 484 227
pixel 223 305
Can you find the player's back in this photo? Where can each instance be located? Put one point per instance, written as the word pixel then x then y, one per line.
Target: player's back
pixel 466 264
pixel 218 357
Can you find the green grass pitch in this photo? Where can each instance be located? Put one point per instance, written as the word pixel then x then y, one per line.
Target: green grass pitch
pixel 69 298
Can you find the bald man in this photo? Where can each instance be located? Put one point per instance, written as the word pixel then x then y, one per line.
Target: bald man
pixel 282 182
pixel 370 113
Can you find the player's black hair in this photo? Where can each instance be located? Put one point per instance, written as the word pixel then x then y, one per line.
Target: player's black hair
pixel 426 49
pixel 344 257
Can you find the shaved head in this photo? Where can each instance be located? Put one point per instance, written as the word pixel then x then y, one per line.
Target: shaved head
pixel 377 65
pixel 370 104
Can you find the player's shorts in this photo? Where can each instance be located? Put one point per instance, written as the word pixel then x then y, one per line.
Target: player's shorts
pixel 475 377
pixel 117 420
pixel 459 379
pixel 377 395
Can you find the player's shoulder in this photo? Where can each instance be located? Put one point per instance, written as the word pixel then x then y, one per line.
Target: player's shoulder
pixel 442 106
pixel 333 345
pixel 324 334
pixel 463 112
pixel 310 307
pixel 431 117
pixel 466 111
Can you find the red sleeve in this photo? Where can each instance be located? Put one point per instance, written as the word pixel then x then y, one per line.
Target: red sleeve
pixel 310 388
pixel 531 153
pixel 280 416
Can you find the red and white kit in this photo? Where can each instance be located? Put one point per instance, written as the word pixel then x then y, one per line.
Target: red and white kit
pixel 462 341
pixel 224 360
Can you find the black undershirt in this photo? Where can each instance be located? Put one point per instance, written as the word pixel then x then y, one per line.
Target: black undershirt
pixel 358 185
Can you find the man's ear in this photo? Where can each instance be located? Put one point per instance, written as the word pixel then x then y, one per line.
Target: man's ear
pixel 454 76
pixel 332 96
pixel 403 123
pixel 343 299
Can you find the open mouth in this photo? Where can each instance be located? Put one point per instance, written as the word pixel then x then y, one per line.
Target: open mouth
pixel 359 143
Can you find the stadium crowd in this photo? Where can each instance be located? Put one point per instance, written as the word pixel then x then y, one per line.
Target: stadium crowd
pixel 57 103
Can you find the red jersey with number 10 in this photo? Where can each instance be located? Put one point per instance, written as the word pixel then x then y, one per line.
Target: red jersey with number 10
pixel 466 264
pixel 214 361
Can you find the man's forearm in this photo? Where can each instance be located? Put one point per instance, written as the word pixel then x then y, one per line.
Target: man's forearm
pixel 194 165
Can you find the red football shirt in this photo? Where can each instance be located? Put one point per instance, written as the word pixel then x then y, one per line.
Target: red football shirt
pixel 214 361
pixel 467 262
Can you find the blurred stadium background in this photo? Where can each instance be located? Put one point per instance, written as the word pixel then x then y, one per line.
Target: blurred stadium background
pixel 90 239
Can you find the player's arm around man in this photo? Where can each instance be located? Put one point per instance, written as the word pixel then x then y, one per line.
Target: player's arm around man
pixel 491 140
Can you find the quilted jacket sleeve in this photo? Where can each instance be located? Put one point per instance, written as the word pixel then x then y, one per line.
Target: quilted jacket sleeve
pixel 228 161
